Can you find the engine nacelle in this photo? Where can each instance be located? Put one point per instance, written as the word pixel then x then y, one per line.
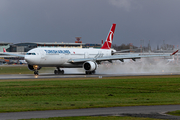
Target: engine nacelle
pixel 113 52
pixel 90 66
pixel 31 67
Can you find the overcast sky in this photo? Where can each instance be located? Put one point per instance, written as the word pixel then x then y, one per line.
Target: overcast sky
pixel 63 20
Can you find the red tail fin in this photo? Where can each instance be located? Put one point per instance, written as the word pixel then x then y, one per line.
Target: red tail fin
pixel 4 50
pixel 109 39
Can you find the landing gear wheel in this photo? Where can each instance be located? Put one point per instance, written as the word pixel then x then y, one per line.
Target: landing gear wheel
pixel 62 71
pixel 90 72
pixel 58 72
pixel 36 73
pixel 55 72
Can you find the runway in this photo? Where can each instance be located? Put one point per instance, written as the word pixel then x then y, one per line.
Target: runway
pixel 77 75
pixel 138 111
pixel 142 67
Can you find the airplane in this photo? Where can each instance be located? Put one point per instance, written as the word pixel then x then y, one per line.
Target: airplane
pixel 22 62
pixel 87 58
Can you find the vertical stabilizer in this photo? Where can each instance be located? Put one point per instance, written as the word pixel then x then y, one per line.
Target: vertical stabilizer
pixel 4 50
pixel 109 39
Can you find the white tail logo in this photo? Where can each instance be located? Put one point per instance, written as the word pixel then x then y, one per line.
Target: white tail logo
pixel 109 39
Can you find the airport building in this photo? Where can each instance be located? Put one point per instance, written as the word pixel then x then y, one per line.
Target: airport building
pixel 24 47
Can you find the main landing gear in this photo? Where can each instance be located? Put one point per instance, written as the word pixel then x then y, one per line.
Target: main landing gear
pixel 58 71
pixel 90 72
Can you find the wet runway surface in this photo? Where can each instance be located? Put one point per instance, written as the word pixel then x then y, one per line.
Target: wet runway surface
pixel 81 75
pixel 137 111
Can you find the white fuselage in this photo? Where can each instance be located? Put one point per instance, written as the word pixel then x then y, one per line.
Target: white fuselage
pixel 58 57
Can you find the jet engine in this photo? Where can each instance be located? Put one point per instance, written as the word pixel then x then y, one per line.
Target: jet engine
pixel 90 66
pixel 30 67
pixel 113 52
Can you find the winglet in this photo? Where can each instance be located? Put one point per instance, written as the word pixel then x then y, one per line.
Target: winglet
pixel 4 50
pixel 174 52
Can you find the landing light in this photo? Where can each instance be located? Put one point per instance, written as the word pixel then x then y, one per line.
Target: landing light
pixel 35 67
pixel 36 76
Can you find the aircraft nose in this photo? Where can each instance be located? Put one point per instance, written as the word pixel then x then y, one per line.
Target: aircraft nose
pixel 29 59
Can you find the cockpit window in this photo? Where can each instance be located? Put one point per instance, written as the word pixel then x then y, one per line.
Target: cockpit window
pixel 30 53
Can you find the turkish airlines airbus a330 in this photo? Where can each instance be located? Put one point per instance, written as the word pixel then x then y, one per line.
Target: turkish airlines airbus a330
pixel 87 58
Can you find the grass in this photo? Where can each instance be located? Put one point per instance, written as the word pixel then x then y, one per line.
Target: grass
pixel 73 93
pixel 176 113
pixel 21 69
pixel 95 118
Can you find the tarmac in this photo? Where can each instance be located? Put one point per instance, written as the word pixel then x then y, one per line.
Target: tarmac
pixel 133 111
pixel 78 75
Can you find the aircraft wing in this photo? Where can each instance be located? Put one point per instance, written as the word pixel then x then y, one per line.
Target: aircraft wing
pixel 18 55
pixel 11 54
pixel 124 51
pixel 119 57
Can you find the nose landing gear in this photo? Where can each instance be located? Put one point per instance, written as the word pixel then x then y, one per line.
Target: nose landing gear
pixel 36 73
pixel 35 70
